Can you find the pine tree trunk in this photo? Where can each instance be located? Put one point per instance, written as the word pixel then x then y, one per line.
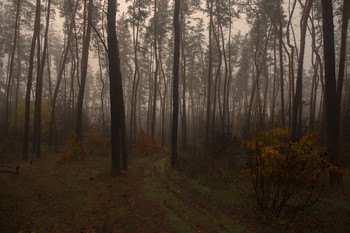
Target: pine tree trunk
pixel 84 66
pixel 175 84
pixel 39 87
pixel 8 90
pixel 297 103
pixel 30 79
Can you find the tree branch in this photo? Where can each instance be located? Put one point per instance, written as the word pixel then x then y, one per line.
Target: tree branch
pixel 99 36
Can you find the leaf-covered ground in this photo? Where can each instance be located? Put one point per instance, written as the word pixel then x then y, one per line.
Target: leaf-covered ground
pixel 82 196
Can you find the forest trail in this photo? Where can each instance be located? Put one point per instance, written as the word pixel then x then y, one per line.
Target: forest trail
pixel 82 196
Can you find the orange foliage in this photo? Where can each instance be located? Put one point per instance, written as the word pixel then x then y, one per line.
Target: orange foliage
pixel 95 142
pixel 75 150
pixel 283 172
pixel 146 144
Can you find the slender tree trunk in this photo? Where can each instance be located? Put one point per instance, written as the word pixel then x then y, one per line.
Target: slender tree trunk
pixel 297 103
pixel 155 85
pixel 18 78
pixel 30 79
pixel 84 67
pixel 38 40
pixel 62 68
pixel 184 87
pixel 280 37
pixel 342 58
pixel 207 131
pixel 332 89
pixel 291 64
pixel 39 87
pixel 102 115
pixel 175 84
pixel 11 67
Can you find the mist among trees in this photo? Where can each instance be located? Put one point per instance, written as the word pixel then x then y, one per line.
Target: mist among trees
pixel 250 96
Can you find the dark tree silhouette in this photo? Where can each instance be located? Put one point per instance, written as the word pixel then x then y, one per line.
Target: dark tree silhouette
pixel 175 84
pixel 116 95
pixel 30 80
pixel 332 91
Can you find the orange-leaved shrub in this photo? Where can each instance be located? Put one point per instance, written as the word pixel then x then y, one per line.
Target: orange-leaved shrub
pixel 285 176
pixel 146 144
pixel 95 142
pixel 75 149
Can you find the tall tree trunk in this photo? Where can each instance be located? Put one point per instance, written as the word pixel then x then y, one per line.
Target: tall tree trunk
pixel 175 84
pixel 291 64
pixel 38 40
pixel 207 130
pixel 8 90
pixel 332 90
pixel 39 88
pixel 30 79
pixel 102 113
pixel 116 95
pixel 184 87
pixel 280 37
pixel 297 103
pixel 18 79
pixel 84 66
pixel 59 77
pixel 342 58
pixel 155 85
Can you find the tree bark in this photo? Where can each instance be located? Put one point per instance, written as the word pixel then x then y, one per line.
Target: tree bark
pixel 116 95
pixel 155 84
pixel 297 103
pixel 8 90
pixel 30 79
pixel 62 68
pixel 175 84
pixel 207 131
pixel 84 66
pixel 39 88
pixel 332 90
pixel 280 42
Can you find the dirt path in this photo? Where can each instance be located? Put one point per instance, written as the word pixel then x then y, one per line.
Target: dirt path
pixel 83 197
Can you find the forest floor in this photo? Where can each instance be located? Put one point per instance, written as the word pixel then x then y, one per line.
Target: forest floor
pixel 82 196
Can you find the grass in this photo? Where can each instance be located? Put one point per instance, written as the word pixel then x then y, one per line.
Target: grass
pixel 82 196
pixel 177 197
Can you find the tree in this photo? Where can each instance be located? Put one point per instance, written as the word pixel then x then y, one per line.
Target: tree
pixel 84 66
pixel 11 67
pixel 333 90
pixel 116 94
pixel 207 131
pixel 30 78
pixel 297 103
pixel 39 88
pixel 175 84
pixel 61 71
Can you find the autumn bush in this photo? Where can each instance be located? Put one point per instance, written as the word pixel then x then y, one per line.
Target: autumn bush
pixel 75 149
pixel 285 176
pixel 146 144
pixel 95 142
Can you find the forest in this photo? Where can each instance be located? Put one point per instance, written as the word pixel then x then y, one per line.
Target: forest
pixel 174 116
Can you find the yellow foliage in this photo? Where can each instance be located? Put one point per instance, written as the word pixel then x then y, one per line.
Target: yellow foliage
pixel 75 150
pixel 95 142
pixel 291 167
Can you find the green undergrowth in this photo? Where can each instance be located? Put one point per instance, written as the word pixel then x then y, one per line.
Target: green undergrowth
pixel 188 202
pixel 82 196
